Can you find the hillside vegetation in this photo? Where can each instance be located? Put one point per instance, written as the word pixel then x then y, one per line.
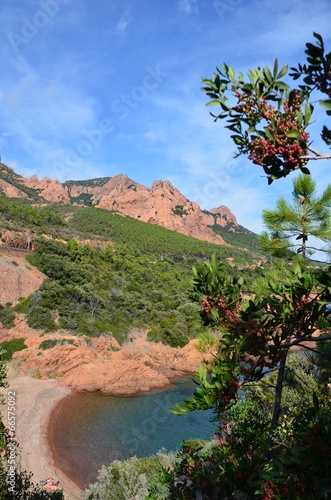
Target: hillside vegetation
pixel 139 277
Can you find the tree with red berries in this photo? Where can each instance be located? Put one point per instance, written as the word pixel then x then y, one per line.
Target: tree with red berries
pixel 269 119
pixel 255 334
pixel 254 330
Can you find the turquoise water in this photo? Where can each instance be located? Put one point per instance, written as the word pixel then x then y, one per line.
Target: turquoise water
pixel 89 430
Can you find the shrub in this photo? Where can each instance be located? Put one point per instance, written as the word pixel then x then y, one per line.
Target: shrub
pixel 23 305
pixel 7 315
pixel 11 346
pixel 49 343
pixel 123 480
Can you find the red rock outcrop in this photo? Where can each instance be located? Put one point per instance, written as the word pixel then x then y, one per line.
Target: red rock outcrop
pixel 102 365
pixel 18 279
pixel 11 191
pixel 49 190
pixel 162 205
pixel 22 240
pixel 223 216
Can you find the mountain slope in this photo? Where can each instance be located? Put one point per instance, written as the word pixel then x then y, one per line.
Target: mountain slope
pixel 161 205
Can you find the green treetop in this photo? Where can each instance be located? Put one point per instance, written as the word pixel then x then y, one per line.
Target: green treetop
pixel 291 224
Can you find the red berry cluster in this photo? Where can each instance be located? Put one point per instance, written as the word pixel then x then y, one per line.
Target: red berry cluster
pixel 248 105
pixel 273 491
pixel 228 316
pixel 269 490
pixel 288 149
pixel 206 306
pixel 301 305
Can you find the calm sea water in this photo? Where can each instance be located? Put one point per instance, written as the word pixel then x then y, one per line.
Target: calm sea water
pixel 89 430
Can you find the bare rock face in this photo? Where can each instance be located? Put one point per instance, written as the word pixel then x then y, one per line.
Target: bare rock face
pixel 101 364
pixel 162 205
pixel 19 278
pixel 223 216
pixel 11 191
pixel 50 190
pixel 22 240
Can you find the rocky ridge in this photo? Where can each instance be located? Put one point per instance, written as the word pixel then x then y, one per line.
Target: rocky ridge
pixel 162 204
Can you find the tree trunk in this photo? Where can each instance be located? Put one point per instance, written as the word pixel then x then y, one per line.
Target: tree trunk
pixel 279 390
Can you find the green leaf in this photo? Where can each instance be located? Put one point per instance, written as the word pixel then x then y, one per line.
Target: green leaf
pixel 231 74
pixel 267 74
pixel 180 409
pixel 275 68
pixel 295 134
pixel 326 103
pixel 281 85
pixel 202 372
pixel 209 398
pixel 269 134
pixel 283 71
pixel 319 38
pixel 326 135
pixel 215 102
pixel 305 170
pixel 300 118
pixel 309 108
pixel 237 139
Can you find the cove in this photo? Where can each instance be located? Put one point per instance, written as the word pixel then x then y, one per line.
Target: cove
pixel 88 430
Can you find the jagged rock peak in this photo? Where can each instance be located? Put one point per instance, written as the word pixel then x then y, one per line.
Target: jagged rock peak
pixel 225 213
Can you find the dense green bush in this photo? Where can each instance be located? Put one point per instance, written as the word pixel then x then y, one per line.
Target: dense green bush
pixel 23 305
pixel 131 479
pixel 92 295
pixel 10 346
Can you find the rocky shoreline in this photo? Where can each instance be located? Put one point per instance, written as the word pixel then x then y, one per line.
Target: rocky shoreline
pixel 101 364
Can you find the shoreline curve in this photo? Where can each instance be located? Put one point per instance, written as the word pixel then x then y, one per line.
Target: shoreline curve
pixel 35 401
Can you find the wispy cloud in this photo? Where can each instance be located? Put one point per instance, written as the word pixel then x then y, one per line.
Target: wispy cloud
pixel 123 23
pixel 189 6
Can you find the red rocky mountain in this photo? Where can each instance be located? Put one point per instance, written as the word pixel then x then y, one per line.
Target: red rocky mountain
pixel 162 204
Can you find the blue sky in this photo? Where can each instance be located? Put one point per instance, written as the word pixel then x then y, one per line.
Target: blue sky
pixel 97 88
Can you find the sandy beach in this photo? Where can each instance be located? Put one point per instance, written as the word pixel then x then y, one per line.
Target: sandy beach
pixel 34 402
